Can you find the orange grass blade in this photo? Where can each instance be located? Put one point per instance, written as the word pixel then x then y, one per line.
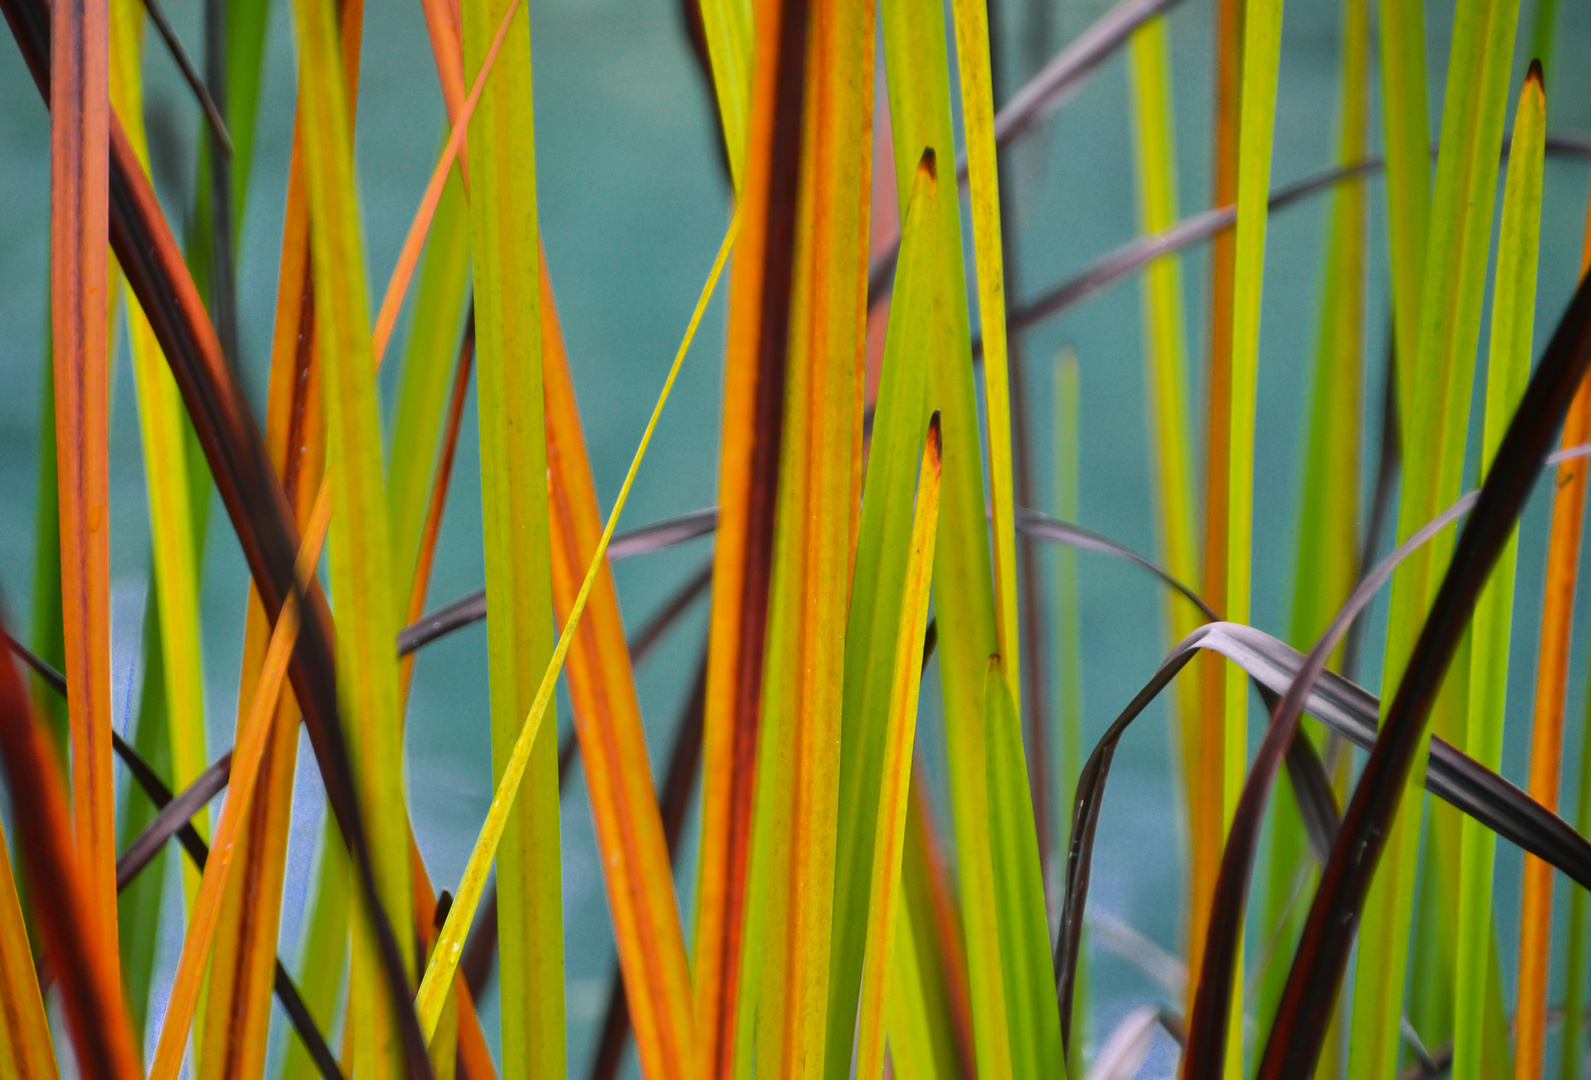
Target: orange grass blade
pixel 1546 740
pixel 624 806
pixel 81 954
pixel 79 309
pixel 409 254
pixel 748 475
pixel 894 798
pixel 798 757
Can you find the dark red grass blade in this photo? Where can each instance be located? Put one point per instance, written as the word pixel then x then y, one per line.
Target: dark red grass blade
pixel 82 956
pixel 250 490
pixel 1295 1039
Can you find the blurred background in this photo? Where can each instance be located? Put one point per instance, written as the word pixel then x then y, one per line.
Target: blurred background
pixel 633 202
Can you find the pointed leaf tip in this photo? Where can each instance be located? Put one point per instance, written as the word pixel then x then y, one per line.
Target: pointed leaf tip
pixel 1536 75
pixel 929 163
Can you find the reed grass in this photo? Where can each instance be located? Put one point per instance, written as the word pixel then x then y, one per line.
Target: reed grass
pixel 861 905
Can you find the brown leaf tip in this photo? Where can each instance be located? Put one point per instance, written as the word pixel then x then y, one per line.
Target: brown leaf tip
pixel 444 906
pixel 1536 75
pixel 929 162
pixel 935 437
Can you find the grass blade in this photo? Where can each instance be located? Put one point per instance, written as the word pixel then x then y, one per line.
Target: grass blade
pixel 727 26
pixel 1508 369
pixel 78 950
pixel 748 479
pixel 883 931
pixel 515 523
pixel 1405 119
pixel 1328 543
pixel 636 864
pixel 173 539
pixel 26 1051
pixel 879 583
pixel 1166 364
pixel 1472 127
pixel 361 550
pixel 1552 665
pixel 796 816
pixel 1294 1041
pixel 917 68
pixel 1262 27
pixel 1019 894
pixel 450 944
pixel 977 103
pixel 427 361
pixel 79 296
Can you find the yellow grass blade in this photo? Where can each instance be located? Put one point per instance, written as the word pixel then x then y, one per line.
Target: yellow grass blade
pixel 26 1051
pixel 624 806
pixel 450 944
pixel 727 27
pixel 977 110
pixel 894 797
pixel 1166 375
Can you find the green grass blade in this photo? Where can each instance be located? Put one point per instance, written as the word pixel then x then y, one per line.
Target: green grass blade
pixel 361 549
pixel 514 511
pixel 917 67
pixel 46 623
pixel 1262 34
pixel 1508 369
pixel 1035 1025
pixel 1452 294
pixel 246 37
pixel 1328 542
pixel 427 368
pixel 879 582
pixel 1406 122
